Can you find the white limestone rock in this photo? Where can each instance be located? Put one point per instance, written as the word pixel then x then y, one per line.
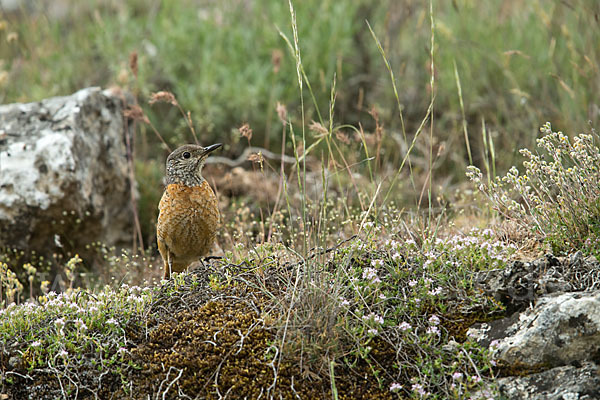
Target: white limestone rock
pixel 63 172
pixel 559 330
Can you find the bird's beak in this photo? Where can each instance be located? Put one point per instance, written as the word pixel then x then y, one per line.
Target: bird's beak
pixel 212 148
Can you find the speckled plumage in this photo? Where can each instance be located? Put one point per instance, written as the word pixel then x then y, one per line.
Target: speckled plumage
pixel 188 212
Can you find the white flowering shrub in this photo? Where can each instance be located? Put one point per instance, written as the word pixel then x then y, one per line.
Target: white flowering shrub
pixel 414 298
pixel 558 195
pixel 74 332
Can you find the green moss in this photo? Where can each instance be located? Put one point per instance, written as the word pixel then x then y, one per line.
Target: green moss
pixel 225 347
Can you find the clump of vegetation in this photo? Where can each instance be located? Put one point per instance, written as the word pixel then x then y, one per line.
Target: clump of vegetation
pixel 400 307
pixel 558 195
pixel 72 342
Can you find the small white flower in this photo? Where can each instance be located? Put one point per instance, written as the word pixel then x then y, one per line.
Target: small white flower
pixel 434 320
pixel 377 263
pixel 37 343
pixel 418 388
pixel 80 324
pixel 433 330
pixel 405 326
pixel 394 387
pixel 374 317
pixel 371 275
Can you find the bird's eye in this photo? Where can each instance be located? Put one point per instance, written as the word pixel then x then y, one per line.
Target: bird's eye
pixel 186 154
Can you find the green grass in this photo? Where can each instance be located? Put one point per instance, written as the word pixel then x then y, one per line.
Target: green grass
pixel 218 60
pixel 520 64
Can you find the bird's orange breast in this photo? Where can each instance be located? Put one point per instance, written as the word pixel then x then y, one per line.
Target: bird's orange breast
pixel 188 221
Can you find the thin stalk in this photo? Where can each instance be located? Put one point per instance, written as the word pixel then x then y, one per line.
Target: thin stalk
pixel 486 162
pixel 462 110
pixel 393 79
pixel 432 86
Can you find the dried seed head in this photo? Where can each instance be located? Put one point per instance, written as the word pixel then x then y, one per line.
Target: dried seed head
pixel 245 131
pixel 133 63
pixel 282 113
pixel 378 127
pixel 136 113
pixel 276 56
pixel 318 129
pixel 342 137
pixel 256 157
pixel 163 96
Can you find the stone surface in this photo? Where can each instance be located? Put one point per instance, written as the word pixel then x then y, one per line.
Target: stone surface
pixel 560 329
pixel 63 172
pixel 560 383
pixel 521 283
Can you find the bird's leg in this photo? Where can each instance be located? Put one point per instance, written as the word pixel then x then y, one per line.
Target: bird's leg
pixel 169 268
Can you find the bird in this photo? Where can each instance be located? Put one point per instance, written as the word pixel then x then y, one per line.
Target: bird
pixel 188 217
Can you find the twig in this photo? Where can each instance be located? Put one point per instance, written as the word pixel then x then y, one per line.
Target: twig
pixel 244 157
pixel 170 384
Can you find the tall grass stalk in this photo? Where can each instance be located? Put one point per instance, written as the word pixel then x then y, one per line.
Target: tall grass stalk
pixel 462 111
pixel 432 88
pixel 489 153
pixel 301 183
pixel 486 162
pixel 399 105
pixel 425 119
pixel 301 267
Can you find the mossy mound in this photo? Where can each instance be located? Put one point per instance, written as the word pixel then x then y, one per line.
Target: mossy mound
pixel 224 347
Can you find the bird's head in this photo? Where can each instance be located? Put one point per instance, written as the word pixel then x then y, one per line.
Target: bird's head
pixel 184 165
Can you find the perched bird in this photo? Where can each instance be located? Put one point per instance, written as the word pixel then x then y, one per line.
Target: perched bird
pixel 188 212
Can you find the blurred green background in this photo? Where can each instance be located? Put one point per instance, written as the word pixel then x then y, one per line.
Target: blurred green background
pixel 520 64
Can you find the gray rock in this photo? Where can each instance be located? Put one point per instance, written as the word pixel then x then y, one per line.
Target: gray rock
pixel 561 329
pixel 63 172
pixel 520 284
pixel 560 383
